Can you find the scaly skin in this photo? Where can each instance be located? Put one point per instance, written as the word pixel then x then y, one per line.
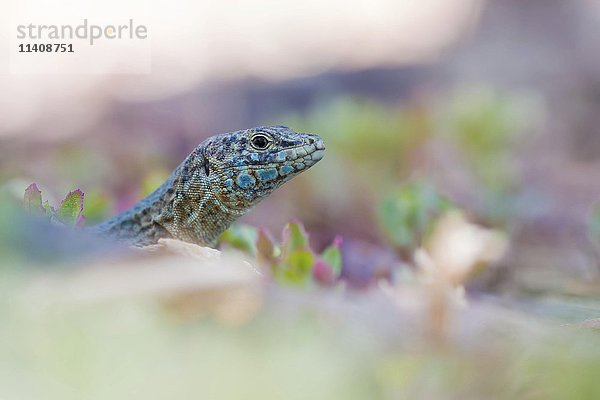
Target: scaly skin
pixel 219 181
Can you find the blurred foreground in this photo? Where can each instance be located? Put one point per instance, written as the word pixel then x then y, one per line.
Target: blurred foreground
pixel 176 319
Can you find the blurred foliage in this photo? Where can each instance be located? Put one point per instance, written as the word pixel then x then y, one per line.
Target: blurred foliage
pixel 407 214
pixel 379 146
pixel 153 180
pixel 292 261
pixel 97 206
pixel 11 209
pixel 380 140
pixel 487 126
pixel 69 212
pixel 241 237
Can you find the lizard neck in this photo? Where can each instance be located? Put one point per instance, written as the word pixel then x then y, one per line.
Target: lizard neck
pixel 194 213
pixel 184 207
pixel 138 223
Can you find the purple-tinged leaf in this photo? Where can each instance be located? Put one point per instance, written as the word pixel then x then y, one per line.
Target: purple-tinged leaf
pixel 265 251
pixel 323 273
pixel 33 199
pixel 71 208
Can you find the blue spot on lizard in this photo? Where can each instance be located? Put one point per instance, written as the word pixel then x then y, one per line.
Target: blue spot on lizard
pixel 286 169
pixel 245 181
pixel 267 174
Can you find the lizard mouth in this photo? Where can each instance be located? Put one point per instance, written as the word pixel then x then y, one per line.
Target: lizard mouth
pixel 307 154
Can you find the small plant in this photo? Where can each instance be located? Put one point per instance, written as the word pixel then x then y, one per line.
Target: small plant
pixel 69 212
pixel 292 261
pixel 407 214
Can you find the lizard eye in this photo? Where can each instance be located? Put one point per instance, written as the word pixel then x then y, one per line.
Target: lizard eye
pixel 260 142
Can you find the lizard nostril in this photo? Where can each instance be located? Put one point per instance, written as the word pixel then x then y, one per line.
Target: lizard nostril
pixel 311 141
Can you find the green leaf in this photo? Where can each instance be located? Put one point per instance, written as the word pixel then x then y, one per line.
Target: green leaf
pixel 333 256
pixel 294 238
pixel 242 237
pixel 298 267
pixel 48 209
pixel 408 213
pixel 69 212
pixel 33 199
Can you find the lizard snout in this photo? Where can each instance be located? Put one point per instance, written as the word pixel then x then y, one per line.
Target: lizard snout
pixel 316 141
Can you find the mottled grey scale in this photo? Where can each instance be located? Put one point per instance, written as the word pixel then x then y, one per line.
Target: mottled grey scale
pixel 195 207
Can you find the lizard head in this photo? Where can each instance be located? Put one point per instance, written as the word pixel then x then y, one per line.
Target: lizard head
pixel 245 166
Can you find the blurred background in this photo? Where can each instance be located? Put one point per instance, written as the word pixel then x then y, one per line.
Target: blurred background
pixel 491 104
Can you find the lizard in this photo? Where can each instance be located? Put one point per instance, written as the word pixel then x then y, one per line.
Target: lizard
pixel 218 182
